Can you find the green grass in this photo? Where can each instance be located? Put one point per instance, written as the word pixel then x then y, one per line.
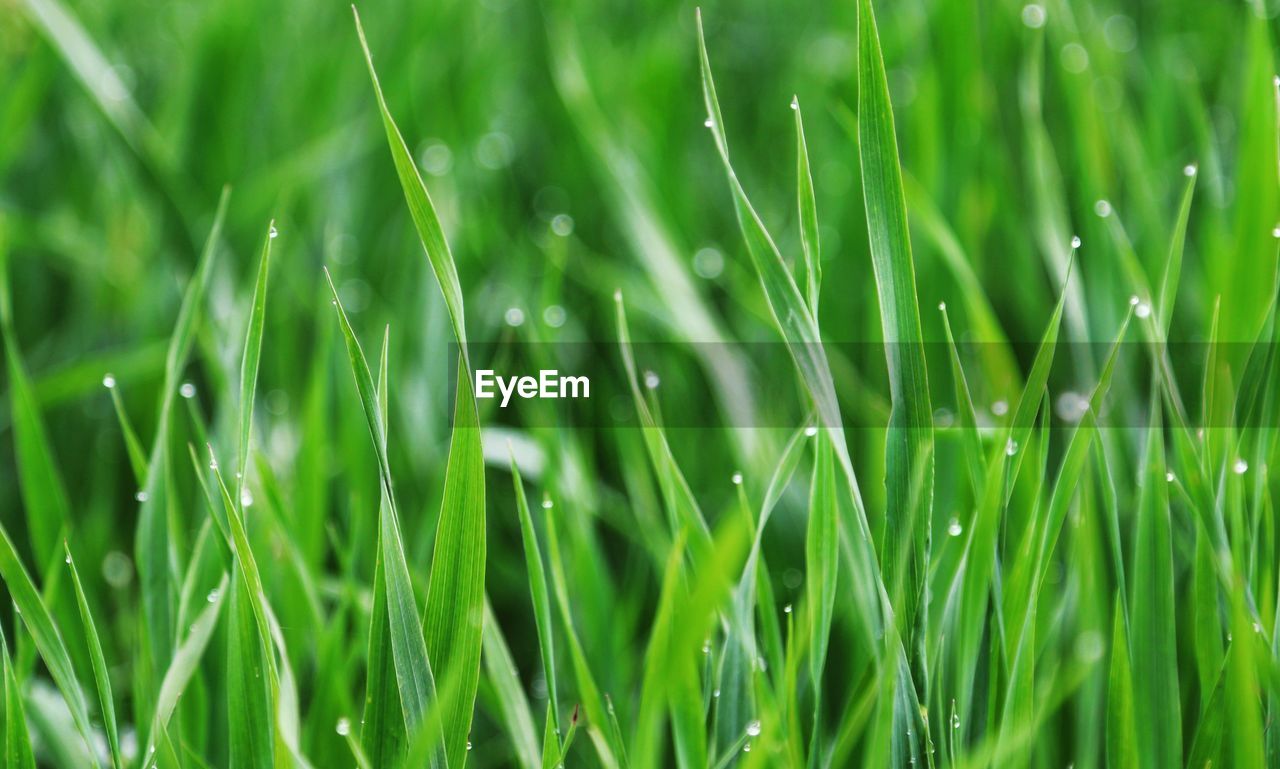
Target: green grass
pixel 804 520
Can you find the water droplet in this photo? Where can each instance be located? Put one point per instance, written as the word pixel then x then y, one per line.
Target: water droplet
pixel 1033 15
pixel 795 102
pixel 1102 208
pixel 468 744
pixel 753 728
pixel 1000 408
pixel 1189 170
pixel 1240 467
pixel 1075 241
pixel 1075 59
pixel 554 316
pixel 706 647
pixel 708 262
pixel 514 316
pixel 68 558
pixel 1010 447
pixel 1257 627
pixel 709 123
pixel 1143 310
pixel 1169 476
pixel 273 233
pixel 246 498
pixel 343 727
pixel 942 306
pixel 955 721
pixel 1134 300
pixel 746 748
pixel 954 528
pixel 547 504
pixel 213 464
pixel 142 496
pixel 1275 232
pixel 810 431
pixel 108 381
pixel 187 390
pixel 786 609
pixel 651 380
pixel 562 225
pixel 737 479
pixel 715 693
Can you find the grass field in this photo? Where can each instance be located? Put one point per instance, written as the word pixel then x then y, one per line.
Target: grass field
pixel 934 366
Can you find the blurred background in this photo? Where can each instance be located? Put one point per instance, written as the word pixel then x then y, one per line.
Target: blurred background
pixel 564 145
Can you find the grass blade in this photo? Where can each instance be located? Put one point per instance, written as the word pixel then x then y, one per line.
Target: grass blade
pixel 539 593
pixel 100 677
pixel 44 632
pixel 454 619
pixel 17 742
pixel 808 207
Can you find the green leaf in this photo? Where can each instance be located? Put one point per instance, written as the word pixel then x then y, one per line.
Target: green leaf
pixel 454 621
pixel 100 677
pixel 409 649
pixel 17 742
pixel 539 593
pixel 44 632
pixel 808 207
pixel 1122 739
pixel 1155 659
pixel 252 357
pixel 909 440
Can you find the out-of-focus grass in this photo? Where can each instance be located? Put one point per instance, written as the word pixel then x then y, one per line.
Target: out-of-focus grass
pixel 1059 564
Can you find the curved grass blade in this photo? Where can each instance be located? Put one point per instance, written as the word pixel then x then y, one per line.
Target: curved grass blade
pixel 99 663
pixel 409 649
pixel 909 441
pixel 539 593
pixel 1122 739
pixel 454 621
pixel 512 705
pixel 153 544
pixel 17 741
pixel 44 632
pixel 808 207
pixel 821 554
pixel 252 357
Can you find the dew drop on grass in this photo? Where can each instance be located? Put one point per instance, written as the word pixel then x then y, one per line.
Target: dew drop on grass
pixel 1010 447
pixel 562 225
pixel 468 744
pixel 811 431
pixel 1133 300
pixel 955 721
pixel 187 390
pixel 1189 170
pixel 213 596
pixel 737 479
pixel 1102 208
pixel 651 380
pixel 68 559
pixel 547 504
pixel 1169 476
pixel 1240 467
pixel 514 316
pixel 246 498
pixel 715 693
pixel 1075 241
pixel 709 123
pixel 954 528
pixel 1143 310
pixel 344 727
pixel 942 306
pixel 1000 408
pixel 708 262
pixel 1033 15
pixel 213 464
pixel 554 316
pixel 795 102
pixel 273 233
pixel 142 496
pixel 1275 232
pixel 786 609
pixel 746 748
pixel 108 381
